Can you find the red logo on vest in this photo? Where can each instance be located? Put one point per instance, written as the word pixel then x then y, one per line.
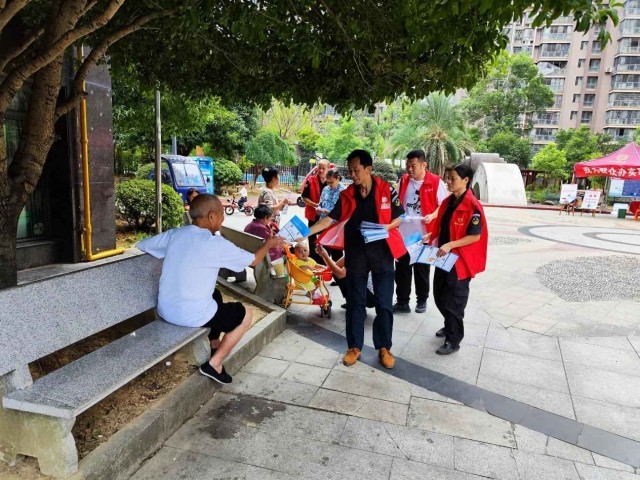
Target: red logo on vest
pixel 384 203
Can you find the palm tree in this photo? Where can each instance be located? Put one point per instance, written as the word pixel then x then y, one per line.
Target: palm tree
pixel 436 124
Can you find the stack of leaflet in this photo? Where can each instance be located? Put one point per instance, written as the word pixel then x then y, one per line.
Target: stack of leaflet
pixel 421 253
pixel 373 232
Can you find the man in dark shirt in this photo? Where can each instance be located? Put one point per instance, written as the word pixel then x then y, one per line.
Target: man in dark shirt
pixel 366 200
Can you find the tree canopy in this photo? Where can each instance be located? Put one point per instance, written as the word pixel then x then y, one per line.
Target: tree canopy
pixel 507 98
pixel 347 53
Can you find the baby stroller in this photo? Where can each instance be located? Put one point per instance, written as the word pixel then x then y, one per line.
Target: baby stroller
pixel 296 294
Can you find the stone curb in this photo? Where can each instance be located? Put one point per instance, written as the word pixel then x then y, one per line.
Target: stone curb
pixel 123 454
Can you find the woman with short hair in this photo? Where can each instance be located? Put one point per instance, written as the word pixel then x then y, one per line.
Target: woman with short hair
pixel 268 195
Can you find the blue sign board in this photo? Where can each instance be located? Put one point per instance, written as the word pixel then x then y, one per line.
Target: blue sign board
pixel 206 167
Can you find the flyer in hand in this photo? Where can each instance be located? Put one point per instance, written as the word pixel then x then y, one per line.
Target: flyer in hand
pixel 421 253
pixel 294 229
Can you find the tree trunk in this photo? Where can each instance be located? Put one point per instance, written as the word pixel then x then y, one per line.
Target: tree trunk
pixel 8 235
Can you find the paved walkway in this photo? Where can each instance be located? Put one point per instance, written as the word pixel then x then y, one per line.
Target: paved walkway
pixel 296 411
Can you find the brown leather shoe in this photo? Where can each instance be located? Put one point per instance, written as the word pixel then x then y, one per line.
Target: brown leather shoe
pixel 386 358
pixel 351 357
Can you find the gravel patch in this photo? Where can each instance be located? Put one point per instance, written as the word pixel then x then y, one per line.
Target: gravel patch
pixel 503 240
pixel 592 278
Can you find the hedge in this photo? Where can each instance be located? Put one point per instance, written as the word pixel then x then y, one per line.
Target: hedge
pixel 136 204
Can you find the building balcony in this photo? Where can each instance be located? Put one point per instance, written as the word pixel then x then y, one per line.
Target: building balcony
pixel 557 37
pixel 621 121
pixel 631 12
pixel 553 55
pixel 628 50
pixel 543 122
pixel 625 86
pixel 629 67
pixel 543 138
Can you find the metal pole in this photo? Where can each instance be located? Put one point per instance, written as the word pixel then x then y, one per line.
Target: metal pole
pixel 174 145
pixel 158 164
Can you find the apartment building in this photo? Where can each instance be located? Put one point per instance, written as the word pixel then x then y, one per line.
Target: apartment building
pixel 593 86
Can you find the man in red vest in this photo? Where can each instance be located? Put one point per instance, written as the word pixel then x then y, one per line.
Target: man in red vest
pixel 311 197
pixel 421 193
pixel 368 199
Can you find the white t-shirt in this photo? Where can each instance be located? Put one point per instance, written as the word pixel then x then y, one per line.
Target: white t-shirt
pixel 243 192
pixel 411 199
pixel 192 259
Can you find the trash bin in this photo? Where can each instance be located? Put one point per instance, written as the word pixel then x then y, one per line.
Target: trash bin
pixel 622 212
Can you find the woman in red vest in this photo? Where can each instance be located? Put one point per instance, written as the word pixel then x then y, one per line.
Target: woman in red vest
pixel 369 199
pixel 461 228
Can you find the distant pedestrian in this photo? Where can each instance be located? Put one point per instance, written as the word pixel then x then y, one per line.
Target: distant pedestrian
pixel 461 228
pixel 311 197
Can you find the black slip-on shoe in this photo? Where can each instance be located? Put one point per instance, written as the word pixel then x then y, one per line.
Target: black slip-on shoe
pixel 440 333
pixel 447 349
pixel 208 371
pixel 401 308
pixel 421 307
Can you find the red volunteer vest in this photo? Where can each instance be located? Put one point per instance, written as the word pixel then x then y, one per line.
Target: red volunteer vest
pixel 383 209
pixel 428 192
pixel 314 195
pixel 473 258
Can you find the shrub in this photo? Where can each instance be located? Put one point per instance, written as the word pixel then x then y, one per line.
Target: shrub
pixel 226 173
pixel 384 170
pixel 144 170
pixel 136 204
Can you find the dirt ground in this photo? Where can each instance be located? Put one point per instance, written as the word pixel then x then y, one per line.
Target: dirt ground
pixel 96 425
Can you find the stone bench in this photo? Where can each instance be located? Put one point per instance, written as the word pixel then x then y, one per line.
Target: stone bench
pixel 39 318
pixel 268 286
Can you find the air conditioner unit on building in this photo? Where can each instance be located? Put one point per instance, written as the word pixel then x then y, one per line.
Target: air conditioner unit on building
pixel 609 70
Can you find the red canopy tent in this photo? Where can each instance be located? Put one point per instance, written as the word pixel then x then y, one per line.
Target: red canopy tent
pixel 623 163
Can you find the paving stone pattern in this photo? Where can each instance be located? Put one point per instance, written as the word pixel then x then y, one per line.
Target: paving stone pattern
pixel 296 412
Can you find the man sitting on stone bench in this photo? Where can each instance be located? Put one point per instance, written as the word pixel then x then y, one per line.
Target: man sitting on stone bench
pixel 187 296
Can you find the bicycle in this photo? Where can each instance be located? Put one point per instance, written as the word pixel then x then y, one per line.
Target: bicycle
pixel 233 205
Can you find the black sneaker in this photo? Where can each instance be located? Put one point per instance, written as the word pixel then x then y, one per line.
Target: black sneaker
pixel 440 333
pixel 421 307
pixel 401 308
pixel 208 371
pixel 333 284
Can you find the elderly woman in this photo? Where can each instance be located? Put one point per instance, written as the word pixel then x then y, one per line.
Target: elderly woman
pixel 461 228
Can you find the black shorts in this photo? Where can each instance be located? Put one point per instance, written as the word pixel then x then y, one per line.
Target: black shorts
pixel 227 318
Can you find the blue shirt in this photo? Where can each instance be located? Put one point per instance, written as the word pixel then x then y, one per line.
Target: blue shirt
pixel 329 197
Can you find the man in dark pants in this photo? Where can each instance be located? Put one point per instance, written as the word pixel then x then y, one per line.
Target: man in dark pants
pixel 368 199
pixel 311 197
pixel 421 193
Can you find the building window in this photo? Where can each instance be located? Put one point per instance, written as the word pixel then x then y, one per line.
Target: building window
pixel 589 99
pixel 557 101
pixel 586 117
pixel 556 50
pixel 547 118
pixel 583 45
pixel 580 62
pixel 573 115
pixel 630 26
pixel 578 81
pixel 625 82
pixel 548 134
pixel 596 47
pixel 594 65
pixel 629 45
pixel 555 84
pixel 592 82
pixel 628 64
pixel 623 117
pixel 624 99
pixel 576 97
